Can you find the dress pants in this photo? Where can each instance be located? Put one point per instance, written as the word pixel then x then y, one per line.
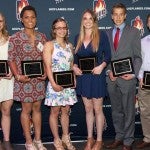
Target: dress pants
pixel 144 103
pixel 122 97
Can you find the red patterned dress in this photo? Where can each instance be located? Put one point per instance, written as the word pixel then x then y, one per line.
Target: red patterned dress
pixel 19 50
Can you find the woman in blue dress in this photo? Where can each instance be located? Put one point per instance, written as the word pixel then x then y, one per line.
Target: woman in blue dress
pixel 92 86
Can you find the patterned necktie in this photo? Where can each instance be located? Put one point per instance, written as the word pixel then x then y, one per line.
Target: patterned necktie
pixel 116 38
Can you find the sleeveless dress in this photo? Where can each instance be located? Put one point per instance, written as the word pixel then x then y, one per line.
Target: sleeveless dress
pixel 61 60
pixel 6 86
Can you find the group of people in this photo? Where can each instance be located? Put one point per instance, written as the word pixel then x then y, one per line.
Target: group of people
pixel 58 55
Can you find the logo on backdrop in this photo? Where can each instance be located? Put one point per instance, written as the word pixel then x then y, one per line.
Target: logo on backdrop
pixel 58 1
pixel 138 23
pixel 133 1
pixel 20 4
pixel 99 6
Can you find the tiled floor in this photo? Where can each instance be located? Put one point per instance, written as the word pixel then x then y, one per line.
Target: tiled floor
pixel 79 145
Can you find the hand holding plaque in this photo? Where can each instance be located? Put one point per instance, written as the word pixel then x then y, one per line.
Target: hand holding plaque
pixel 32 68
pixel 146 80
pixel 122 66
pixel 4 70
pixel 64 78
pixel 86 64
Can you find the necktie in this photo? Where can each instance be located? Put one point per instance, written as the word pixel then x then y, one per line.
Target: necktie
pixel 116 38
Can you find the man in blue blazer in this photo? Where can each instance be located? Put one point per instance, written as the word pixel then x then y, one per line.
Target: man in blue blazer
pixel 122 89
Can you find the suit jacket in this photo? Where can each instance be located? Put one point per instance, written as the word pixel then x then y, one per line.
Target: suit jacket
pixel 129 46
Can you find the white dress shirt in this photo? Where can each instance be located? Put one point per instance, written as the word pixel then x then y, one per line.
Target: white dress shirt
pixel 145 45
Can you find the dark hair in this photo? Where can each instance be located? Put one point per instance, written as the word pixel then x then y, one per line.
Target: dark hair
pixel 28 7
pixel 148 16
pixel 53 35
pixel 119 5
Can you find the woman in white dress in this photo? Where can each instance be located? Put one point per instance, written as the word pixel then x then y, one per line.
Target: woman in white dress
pixel 6 87
pixel 58 57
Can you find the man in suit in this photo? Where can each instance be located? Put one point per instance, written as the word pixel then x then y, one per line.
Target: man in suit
pixel 122 89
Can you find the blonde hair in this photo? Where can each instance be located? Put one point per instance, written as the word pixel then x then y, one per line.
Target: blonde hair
pixel 4 30
pixel 94 35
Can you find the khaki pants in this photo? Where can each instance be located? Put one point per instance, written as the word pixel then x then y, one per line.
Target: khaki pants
pixel 144 102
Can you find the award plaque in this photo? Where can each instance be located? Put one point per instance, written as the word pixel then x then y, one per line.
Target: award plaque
pixel 122 66
pixel 64 78
pixel 146 80
pixel 33 68
pixel 86 64
pixel 4 70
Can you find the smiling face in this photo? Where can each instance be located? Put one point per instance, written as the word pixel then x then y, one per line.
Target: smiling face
pixel 29 19
pixel 60 29
pixel 118 16
pixel 87 21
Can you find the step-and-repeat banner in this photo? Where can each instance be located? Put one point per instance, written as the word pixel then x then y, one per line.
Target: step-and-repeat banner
pixel 71 10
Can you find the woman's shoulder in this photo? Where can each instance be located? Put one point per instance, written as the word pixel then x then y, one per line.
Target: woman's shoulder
pixel 40 34
pixel 70 44
pixel 49 44
pixel 16 34
pixel 103 34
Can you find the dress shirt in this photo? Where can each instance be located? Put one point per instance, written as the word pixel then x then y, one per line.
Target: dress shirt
pixel 145 46
pixel 121 30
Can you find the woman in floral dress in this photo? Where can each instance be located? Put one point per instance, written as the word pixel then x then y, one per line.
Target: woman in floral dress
pixel 58 57
pixel 27 45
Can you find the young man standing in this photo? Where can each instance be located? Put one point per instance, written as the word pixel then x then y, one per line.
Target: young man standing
pixel 125 42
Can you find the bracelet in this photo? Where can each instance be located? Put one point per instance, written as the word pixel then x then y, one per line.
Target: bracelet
pixel 17 77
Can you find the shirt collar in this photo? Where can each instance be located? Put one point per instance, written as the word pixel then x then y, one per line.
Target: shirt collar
pixel 120 27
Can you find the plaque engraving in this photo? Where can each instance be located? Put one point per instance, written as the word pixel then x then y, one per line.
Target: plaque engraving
pixel 146 80
pixel 122 66
pixel 64 78
pixel 4 70
pixel 86 64
pixel 33 68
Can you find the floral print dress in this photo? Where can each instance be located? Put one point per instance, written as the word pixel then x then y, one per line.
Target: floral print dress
pixel 61 61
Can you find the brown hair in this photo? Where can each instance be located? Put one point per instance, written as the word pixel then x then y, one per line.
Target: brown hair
pixel 53 34
pixel 147 18
pixel 119 5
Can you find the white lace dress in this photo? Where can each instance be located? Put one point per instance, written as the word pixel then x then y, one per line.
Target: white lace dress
pixel 61 60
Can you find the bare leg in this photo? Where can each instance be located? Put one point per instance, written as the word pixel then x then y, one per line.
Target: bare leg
pixel 25 121
pixel 36 117
pixel 89 115
pixel 53 121
pixel 99 116
pixel 65 119
pixel 6 118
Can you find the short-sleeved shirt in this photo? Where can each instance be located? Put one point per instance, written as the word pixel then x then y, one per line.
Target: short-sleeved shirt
pixel 20 49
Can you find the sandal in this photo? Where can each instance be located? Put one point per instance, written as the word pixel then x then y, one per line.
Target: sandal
pixel 67 142
pixel 58 145
pixel 30 147
pixel 39 145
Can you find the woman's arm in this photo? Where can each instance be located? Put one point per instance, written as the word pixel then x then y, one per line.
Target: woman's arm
pixel 47 58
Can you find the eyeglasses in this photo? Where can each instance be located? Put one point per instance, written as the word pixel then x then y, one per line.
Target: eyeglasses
pixel 61 28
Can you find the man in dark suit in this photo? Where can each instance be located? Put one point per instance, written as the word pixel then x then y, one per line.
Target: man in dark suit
pixel 125 42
